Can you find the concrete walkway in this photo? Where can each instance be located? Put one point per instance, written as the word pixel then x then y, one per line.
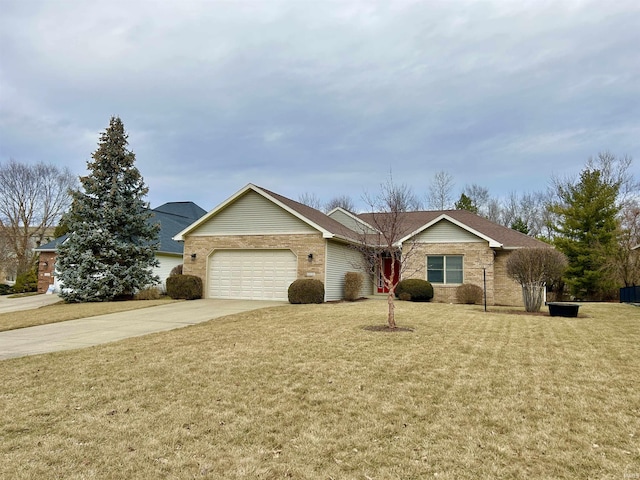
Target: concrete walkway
pixel 117 326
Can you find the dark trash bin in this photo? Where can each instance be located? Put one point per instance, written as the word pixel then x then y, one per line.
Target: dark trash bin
pixel 562 309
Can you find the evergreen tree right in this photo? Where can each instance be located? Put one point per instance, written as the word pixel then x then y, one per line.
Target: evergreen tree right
pixel 110 251
pixel 587 232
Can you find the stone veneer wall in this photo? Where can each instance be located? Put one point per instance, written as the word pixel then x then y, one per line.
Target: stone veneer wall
pixel 45 272
pixel 500 289
pixel 300 245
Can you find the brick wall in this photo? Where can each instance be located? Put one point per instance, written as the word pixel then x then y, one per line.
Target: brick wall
pixel 508 291
pixel 500 289
pixel 300 245
pixel 46 266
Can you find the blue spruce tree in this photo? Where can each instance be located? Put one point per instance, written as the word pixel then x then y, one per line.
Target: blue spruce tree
pixel 109 253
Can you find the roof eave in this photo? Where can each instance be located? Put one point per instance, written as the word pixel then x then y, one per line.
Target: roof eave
pixel 177 254
pixel 352 216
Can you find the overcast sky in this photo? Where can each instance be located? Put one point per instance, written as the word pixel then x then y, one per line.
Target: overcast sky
pixel 323 97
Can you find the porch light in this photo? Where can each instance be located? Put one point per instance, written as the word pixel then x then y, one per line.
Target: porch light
pixel 310 257
pixel 193 256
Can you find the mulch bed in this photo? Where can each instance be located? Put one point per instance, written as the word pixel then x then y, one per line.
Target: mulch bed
pixel 385 328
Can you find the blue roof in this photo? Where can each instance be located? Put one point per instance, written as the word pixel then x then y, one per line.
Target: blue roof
pixel 182 209
pixel 173 217
pixel 52 246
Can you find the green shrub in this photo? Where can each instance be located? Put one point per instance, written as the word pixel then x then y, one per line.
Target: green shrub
pixel 5 289
pixel 416 289
pixel 469 293
pixel 188 287
pixel 352 285
pixel 306 290
pixel 151 293
pixel 26 282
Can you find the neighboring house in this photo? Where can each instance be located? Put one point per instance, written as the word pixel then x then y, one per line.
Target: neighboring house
pixel 172 217
pixel 8 261
pixel 255 243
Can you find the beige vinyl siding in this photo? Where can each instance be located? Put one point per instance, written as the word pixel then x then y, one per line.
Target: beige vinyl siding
pixel 340 260
pixel 252 214
pixel 351 222
pixel 446 232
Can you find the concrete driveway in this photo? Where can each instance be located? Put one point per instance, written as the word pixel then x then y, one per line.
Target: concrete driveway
pixel 117 326
pixel 26 303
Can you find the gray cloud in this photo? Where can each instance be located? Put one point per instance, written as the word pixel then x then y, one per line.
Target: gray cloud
pixel 322 97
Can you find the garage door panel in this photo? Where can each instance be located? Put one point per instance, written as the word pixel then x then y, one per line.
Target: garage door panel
pixel 251 274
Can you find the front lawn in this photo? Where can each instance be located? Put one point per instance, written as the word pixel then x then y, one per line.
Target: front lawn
pixel 307 392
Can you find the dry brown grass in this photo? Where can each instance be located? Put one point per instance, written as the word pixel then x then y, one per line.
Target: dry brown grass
pixel 307 392
pixel 61 312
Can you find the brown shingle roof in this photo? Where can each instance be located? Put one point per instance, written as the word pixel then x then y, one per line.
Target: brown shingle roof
pixel 507 237
pixel 315 216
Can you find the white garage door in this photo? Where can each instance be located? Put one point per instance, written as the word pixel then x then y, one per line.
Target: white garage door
pixel 252 274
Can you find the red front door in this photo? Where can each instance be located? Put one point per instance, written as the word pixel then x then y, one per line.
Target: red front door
pixel 386 268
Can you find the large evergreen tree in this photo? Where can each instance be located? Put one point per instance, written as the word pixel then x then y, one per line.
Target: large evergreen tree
pixel 586 231
pixel 110 250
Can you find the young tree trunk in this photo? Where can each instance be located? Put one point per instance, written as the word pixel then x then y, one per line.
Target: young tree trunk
pixel 391 318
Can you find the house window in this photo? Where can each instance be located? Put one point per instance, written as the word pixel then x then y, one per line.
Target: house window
pixel 444 269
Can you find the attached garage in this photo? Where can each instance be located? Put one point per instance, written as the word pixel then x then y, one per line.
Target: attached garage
pixel 252 274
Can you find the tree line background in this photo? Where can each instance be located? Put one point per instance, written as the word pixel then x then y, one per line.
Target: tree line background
pixel 592 217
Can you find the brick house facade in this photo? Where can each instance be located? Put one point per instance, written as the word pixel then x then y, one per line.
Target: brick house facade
pixel 224 248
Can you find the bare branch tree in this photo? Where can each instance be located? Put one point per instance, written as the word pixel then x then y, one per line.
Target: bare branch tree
pixel 310 200
pixel 393 197
pixel 528 208
pixel 625 264
pixel 32 199
pixel 441 191
pixel 532 268
pixel 616 171
pixel 493 210
pixel 479 197
pixel 388 210
pixel 342 201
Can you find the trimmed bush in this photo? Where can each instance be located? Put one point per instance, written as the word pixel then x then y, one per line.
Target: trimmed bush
pixel 352 285
pixel 405 296
pixel 306 290
pixel 177 270
pixel 188 287
pixel 415 290
pixel 469 293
